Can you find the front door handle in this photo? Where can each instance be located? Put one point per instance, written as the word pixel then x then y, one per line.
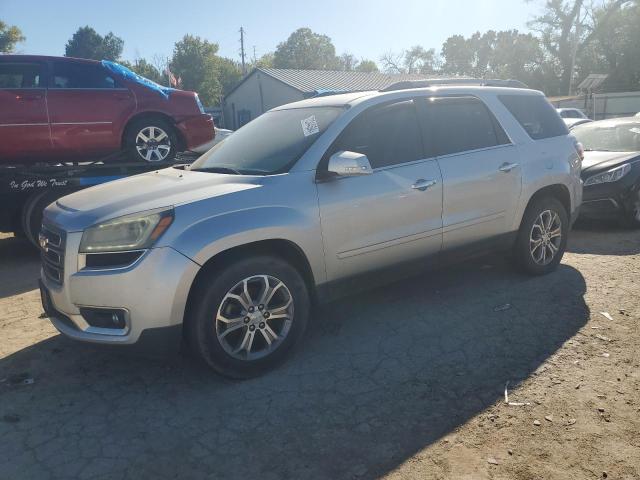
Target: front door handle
pixel 507 167
pixel 423 184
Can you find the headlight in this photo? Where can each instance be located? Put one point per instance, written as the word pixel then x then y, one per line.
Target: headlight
pixel 132 232
pixel 612 175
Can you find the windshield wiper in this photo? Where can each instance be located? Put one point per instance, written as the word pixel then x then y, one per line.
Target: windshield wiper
pixel 227 170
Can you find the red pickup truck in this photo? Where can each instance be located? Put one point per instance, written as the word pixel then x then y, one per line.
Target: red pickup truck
pixel 56 109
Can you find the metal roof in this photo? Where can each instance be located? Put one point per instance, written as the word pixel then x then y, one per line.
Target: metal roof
pixel 324 81
pixel 593 81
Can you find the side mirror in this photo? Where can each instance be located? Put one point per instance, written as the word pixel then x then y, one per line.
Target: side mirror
pixel 349 164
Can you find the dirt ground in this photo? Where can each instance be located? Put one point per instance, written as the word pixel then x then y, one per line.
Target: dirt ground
pixel 407 381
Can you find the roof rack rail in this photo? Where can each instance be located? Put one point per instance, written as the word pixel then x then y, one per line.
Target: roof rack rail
pixel 482 82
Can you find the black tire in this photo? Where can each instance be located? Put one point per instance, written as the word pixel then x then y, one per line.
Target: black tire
pixel 631 216
pixel 157 124
pixel 523 255
pixel 209 296
pixel 32 213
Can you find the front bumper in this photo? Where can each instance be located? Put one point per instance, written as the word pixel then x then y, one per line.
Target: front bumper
pixel 196 130
pixel 610 200
pixel 153 293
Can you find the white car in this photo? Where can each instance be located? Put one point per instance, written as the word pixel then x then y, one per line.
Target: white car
pixel 571 113
pixel 221 134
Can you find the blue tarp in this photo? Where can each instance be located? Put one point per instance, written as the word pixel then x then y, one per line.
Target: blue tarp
pixel 124 72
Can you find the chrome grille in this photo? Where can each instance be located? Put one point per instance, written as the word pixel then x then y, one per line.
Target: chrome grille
pixel 52 245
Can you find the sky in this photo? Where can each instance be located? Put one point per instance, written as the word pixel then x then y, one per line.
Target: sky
pixel 366 29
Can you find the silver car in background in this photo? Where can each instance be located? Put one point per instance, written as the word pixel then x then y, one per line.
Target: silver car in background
pixel 302 204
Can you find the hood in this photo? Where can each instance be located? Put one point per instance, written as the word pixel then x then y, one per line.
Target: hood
pixel 595 162
pixel 159 189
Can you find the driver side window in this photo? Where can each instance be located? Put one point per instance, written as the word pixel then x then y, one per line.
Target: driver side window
pixel 388 135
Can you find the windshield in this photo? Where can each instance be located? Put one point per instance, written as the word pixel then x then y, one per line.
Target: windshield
pixel 608 137
pixel 271 143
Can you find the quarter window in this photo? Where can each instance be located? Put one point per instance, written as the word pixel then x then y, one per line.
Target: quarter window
pixel 536 115
pixel 20 75
pixel 462 124
pixel 80 75
pixel 387 135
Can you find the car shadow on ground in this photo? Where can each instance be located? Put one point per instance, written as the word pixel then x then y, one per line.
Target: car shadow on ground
pixel 381 376
pixel 601 237
pixel 19 266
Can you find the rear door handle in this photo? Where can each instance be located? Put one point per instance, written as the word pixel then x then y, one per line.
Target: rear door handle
pixel 423 184
pixel 507 167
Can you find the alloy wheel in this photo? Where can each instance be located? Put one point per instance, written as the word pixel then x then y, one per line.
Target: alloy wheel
pixel 545 237
pixel 153 144
pixel 254 317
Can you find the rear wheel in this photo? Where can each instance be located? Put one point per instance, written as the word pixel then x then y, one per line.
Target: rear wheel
pixel 248 316
pixel 151 140
pixel 542 238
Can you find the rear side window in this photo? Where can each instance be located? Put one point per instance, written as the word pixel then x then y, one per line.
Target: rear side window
pixel 462 124
pixel 387 135
pixel 80 75
pixel 20 75
pixel 536 115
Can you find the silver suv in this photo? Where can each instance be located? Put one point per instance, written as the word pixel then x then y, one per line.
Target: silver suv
pixel 307 200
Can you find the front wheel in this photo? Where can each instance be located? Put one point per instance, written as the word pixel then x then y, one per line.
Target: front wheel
pixel 631 216
pixel 542 238
pixel 248 316
pixel 151 140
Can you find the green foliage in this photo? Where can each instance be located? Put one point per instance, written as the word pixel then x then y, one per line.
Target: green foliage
pixel 196 62
pixel 306 50
pixel 87 43
pixel 147 70
pixel 9 37
pixel 366 66
pixel 615 49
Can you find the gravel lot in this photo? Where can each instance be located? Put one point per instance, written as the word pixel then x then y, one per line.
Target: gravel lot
pixel 406 381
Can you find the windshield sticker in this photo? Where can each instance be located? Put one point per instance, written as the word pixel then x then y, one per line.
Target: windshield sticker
pixel 310 126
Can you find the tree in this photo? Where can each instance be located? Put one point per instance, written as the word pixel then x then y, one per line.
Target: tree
pixel 347 62
pixel 566 29
pixel 147 70
pixel 414 60
pixel 367 66
pixel 307 50
pixel 229 73
pixel 9 37
pixel 265 61
pixel 614 50
pixel 197 63
pixel 87 43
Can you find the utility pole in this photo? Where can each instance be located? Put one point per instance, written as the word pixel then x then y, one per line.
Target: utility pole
pixel 255 59
pixel 574 52
pixel 242 54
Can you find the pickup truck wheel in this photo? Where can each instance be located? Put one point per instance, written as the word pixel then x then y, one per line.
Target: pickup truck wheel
pixel 151 140
pixel 248 316
pixel 542 238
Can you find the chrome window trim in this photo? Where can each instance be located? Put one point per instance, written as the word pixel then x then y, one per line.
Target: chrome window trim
pixel 477 150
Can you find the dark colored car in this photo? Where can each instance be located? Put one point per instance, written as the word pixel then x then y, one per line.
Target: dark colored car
pixel 58 108
pixel 611 169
